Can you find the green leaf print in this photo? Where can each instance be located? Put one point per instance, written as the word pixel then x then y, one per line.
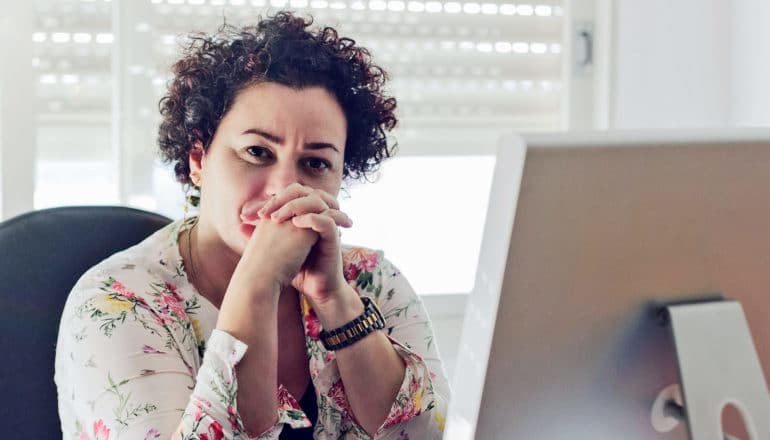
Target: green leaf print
pixel 125 411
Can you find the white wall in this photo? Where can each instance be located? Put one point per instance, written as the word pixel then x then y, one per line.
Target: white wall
pixel 671 63
pixel 17 130
pixel 750 63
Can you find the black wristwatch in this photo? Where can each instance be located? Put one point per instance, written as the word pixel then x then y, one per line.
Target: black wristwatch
pixel 356 329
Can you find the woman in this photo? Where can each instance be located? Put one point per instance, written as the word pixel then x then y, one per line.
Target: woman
pixel 303 337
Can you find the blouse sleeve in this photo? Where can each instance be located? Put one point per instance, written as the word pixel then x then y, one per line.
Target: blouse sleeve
pixel 131 370
pixel 421 403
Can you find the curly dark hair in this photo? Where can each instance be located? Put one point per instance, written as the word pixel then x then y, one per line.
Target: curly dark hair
pixel 214 68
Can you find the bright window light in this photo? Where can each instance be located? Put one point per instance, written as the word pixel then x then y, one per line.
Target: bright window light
pixel 507 9
pixel 452 7
pixel 467 45
pixel 69 79
pixel 398 211
pixel 81 37
pixel 60 37
pixel 378 5
pixel 489 8
pixel 471 8
pixel 105 38
pixel 358 6
pixel 555 48
pixel 416 6
pixel 38 37
pixel 86 182
pixel 484 47
pixel 48 78
pixel 175 2
pixel 503 47
pixel 520 47
pixel 433 7
pixel 543 10
pixel 396 5
pixel 338 5
pixel 538 48
pixel 298 3
pixel 525 10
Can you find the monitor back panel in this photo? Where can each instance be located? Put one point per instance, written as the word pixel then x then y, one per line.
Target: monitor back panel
pixel 602 236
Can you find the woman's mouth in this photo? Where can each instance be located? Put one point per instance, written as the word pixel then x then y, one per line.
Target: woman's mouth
pixel 247 229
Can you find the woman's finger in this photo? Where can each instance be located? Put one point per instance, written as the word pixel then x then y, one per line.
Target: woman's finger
pixel 302 205
pixel 324 225
pixel 339 217
pixel 295 191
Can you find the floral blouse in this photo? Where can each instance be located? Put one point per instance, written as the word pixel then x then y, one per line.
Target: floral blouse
pixel 138 353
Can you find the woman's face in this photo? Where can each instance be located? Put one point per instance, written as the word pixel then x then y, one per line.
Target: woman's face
pixel 272 136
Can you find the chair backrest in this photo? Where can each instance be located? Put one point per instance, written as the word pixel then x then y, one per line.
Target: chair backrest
pixel 42 255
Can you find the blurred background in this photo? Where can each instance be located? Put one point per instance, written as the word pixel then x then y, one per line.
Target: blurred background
pixel 80 82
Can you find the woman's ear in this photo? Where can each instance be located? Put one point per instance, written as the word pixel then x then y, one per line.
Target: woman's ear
pixel 196 161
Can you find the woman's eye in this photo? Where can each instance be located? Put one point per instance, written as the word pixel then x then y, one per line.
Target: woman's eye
pixel 317 164
pixel 258 152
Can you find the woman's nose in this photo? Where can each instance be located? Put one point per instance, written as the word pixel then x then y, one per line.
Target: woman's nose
pixel 280 178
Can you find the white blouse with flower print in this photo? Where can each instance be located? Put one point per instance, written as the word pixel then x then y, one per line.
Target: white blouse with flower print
pixel 137 353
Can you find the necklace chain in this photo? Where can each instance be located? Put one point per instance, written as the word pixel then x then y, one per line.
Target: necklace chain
pixel 189 252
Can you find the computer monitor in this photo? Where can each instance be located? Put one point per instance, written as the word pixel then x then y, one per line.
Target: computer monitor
pixel 587 236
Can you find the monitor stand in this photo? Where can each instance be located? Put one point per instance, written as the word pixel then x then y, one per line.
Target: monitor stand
pixel 718 365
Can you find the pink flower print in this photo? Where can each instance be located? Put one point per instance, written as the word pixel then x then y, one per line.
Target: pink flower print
pixel 402 414
pixel 101 432
pixel 199 403
pixel 171 302
pixel 370 262
pixel 285 400
pixel 151 350
pixel 312 325
pixel 351 272
pixel 232 418
pixel 120 289
pixel 215 430
pixel 414 385
pixel 174 292
pixel 337 394
pixel 151 434
pixel 164 319
pixel 83 436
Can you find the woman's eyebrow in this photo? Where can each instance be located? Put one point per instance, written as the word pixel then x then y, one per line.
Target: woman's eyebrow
pixel 278 140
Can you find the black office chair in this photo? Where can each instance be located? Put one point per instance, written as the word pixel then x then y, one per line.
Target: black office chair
pixel 42 255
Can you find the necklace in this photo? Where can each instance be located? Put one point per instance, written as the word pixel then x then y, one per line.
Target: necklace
pixel 189 253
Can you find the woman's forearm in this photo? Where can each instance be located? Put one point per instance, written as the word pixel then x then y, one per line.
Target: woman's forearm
pixel 371 369
pixel 252 318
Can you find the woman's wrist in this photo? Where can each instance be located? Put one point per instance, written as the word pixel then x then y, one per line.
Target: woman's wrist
pixel 339 309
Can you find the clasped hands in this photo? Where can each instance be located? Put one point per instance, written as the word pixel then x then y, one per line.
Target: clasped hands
pixel 296 242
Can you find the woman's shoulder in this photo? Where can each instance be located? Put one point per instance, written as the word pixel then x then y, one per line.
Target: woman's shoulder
pixel 151 260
